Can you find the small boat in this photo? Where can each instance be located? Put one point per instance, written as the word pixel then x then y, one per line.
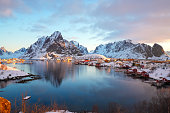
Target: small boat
pixel 27 97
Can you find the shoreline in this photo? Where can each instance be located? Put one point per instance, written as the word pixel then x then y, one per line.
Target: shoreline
pixel 11 73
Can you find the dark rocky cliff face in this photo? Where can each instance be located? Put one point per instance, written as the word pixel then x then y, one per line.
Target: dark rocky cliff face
pixel 144 49
pixel 56 47
pixel 157 50
pixel 60 46
pixel 82 49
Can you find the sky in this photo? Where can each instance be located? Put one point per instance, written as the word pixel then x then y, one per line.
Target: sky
pixel 90 22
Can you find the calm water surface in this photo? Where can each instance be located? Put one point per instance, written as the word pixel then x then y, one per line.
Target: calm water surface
pixel 79 87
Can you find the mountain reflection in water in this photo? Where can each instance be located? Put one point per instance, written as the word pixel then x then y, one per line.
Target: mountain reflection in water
pixel 57 71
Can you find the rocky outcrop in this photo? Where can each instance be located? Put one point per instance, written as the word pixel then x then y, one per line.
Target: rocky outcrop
pixel 5 105
pixel 144 49
pixel 157 50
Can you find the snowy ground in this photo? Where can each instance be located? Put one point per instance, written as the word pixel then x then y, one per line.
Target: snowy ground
pixel 11 73
pixel 90 56
pixel 59 111
pixel 56 111
pixel 160 73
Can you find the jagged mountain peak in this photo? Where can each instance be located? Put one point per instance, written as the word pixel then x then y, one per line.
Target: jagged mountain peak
pixel 123 41
pixel 56 35
pixel 3 49
pixel 22 50
pixel 54 44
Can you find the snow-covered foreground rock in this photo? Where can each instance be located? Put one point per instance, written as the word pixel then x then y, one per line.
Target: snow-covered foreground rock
pixel 10 73
pixel 59 111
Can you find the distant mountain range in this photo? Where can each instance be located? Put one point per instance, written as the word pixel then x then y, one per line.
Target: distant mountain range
pixel 8 54
pixel 127 49
pixel 55 45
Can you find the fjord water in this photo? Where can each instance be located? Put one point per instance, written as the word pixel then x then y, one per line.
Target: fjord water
pixel 79 87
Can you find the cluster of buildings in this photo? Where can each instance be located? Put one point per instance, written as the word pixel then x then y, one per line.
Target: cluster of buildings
pixel 12 61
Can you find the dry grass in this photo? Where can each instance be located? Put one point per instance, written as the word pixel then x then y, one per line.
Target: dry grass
pixel 26 107
pixel 158 104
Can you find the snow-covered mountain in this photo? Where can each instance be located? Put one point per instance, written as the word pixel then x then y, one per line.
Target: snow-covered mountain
pixel 4 54
pixel 127 49
pixel 80 47
pixel 52 46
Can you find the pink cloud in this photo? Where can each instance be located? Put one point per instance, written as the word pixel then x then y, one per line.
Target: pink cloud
pixel 8 7
pixel 73 38
pixel 6 13
pixel 145 21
